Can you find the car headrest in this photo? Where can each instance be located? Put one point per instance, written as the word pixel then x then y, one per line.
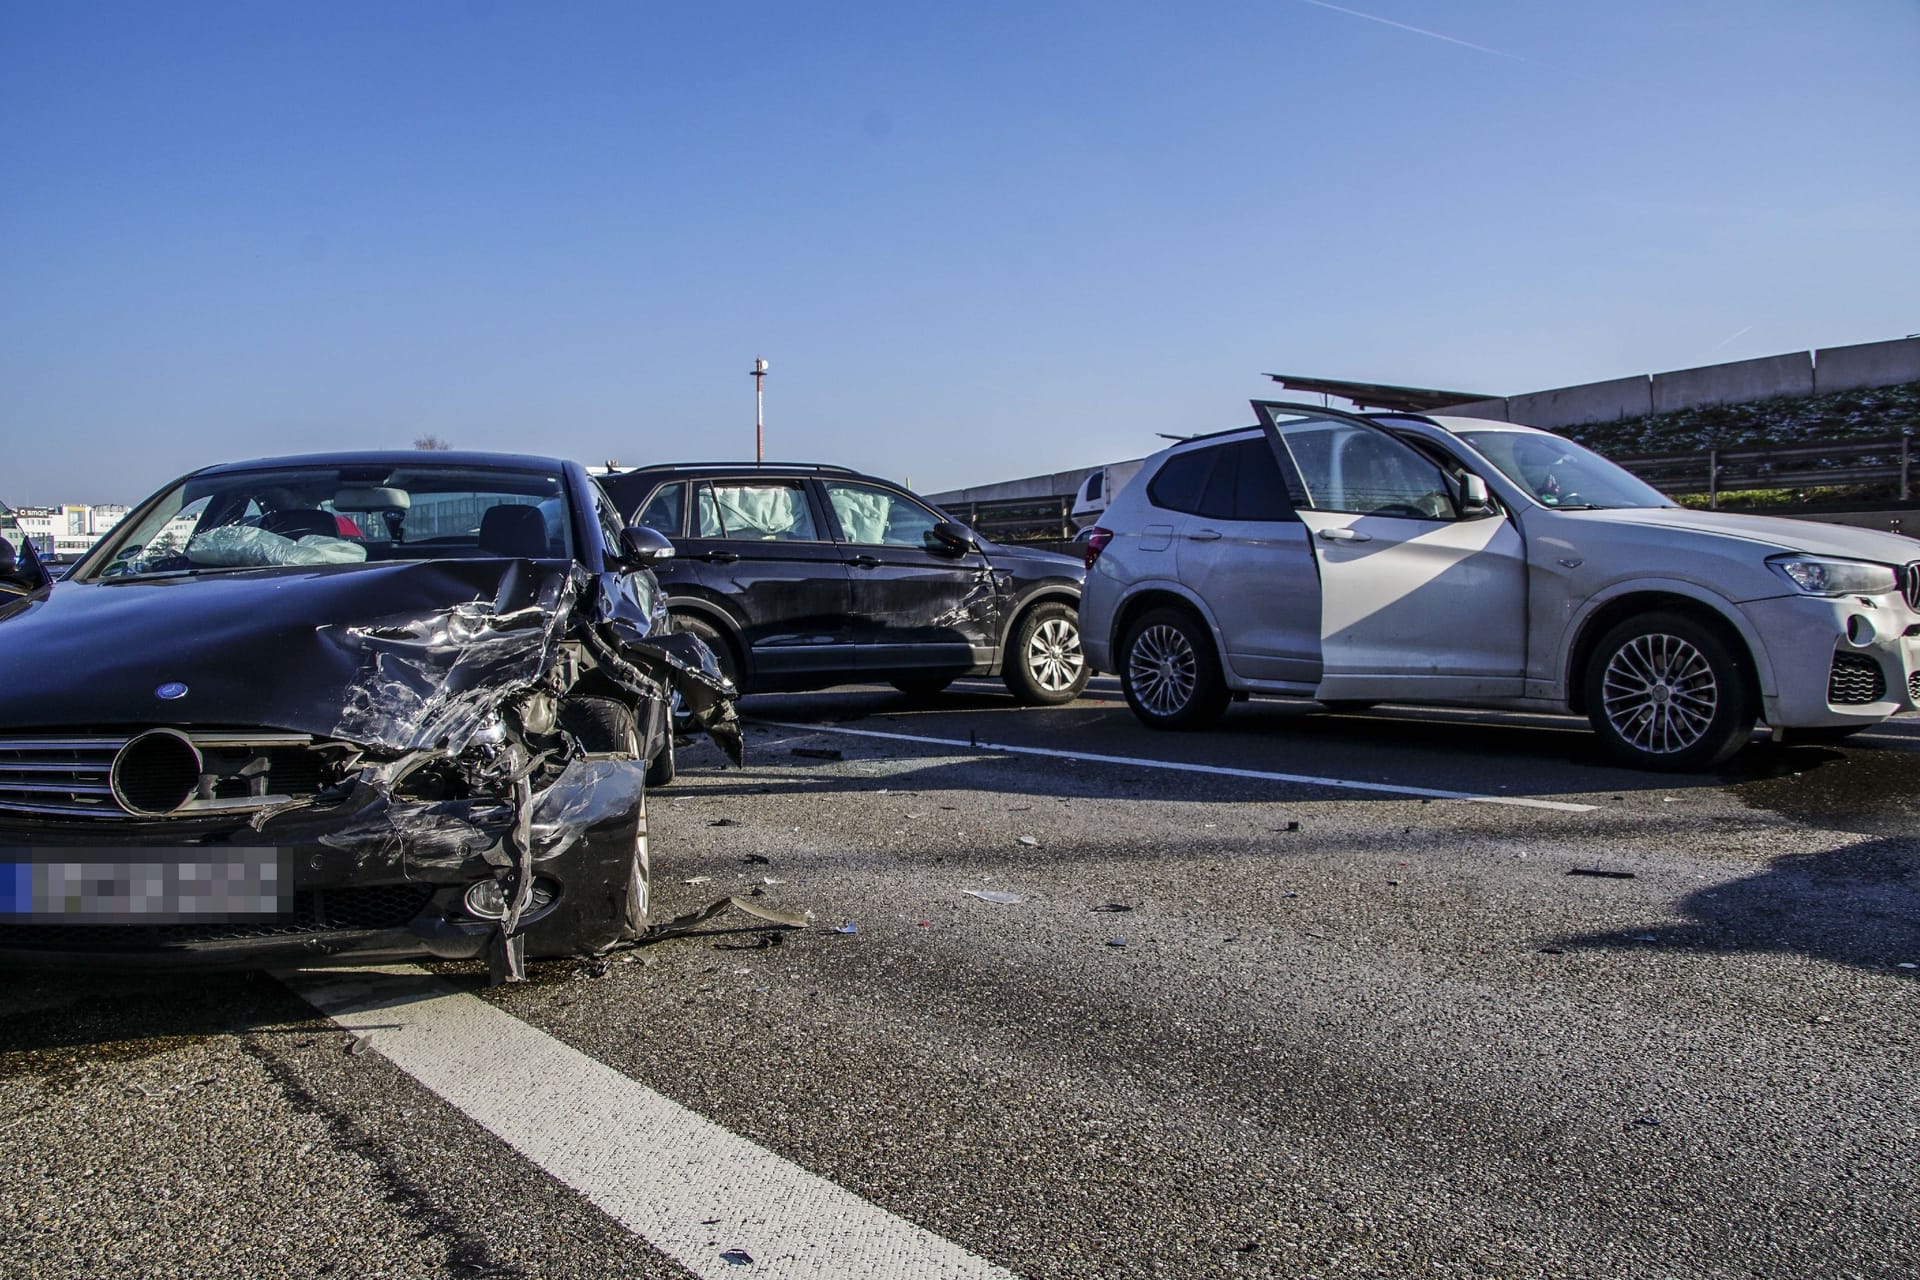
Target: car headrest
pixel 514 530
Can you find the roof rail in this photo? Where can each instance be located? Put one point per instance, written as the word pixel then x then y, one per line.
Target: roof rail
pixel 740 465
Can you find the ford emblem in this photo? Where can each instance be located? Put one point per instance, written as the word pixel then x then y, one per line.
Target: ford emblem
pixel 170 690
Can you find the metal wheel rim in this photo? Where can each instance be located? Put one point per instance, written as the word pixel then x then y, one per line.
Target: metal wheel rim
pixel 1053 655
pixel 1163 670
pixel 1659 694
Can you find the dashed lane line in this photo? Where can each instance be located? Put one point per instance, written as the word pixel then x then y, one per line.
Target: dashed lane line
pixel 687 1186
pixel 1181 766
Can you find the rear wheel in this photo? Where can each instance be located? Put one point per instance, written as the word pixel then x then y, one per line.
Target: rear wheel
pixel 1665 692
pixel 1171 673
pixel 1044 666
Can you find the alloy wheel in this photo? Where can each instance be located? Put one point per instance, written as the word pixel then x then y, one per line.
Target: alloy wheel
pixel 1163 669
pixel 1053 655
pixel 1660 693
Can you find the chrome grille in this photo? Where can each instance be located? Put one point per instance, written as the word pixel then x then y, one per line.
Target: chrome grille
pixel 59 775
pixel 71 775
pixel 1855 680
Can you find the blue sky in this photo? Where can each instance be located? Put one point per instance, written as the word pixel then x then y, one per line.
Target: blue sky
pixel 974 241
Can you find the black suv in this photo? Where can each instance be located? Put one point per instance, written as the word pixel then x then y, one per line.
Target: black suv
pixel 800 577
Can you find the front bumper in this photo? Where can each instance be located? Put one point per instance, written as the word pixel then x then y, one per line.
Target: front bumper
pixel 1839 661
pixel 368 878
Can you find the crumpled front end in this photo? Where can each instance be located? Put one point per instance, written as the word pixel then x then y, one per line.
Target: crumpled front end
pixel 464 779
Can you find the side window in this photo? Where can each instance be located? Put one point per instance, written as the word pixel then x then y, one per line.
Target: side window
pixel 1181 480
pixel 879 517
pixel 1261 493
pixel 666 510
pixel 1216 500
pixel 609 518
pixel 756 511
pixel 1350 468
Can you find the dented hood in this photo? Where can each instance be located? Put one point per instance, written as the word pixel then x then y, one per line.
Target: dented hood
pixel 287 648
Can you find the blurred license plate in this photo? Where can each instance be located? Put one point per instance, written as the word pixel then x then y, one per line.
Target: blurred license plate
pixel 142 886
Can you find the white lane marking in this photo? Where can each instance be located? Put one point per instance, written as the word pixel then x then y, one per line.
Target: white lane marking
pixel 1180 766
pixel 658 1168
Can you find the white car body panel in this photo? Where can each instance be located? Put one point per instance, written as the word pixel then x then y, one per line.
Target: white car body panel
pixel 1497 611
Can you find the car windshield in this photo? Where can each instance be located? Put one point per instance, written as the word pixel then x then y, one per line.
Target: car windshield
pixel 1556 472
pixel 321 515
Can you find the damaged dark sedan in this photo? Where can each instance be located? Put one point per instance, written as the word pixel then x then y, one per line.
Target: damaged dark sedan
pixel 346 708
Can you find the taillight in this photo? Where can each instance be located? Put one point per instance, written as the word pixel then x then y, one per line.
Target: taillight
pixel 1096 543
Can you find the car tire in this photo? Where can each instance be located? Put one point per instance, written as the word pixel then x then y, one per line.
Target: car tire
pixel 602 726
pixel 1044 665
pixel 1171 673
pixel 1665 692
pixel 922 688
pixel 661 769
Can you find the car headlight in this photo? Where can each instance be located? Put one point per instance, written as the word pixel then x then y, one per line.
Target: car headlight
pixel 1822 576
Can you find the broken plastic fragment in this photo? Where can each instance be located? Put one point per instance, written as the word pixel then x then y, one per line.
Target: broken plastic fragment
pixel 1605 875
pixel 1111 906
pixel 737 1257
pixel 848 927
pixel 1116 942
pixel 995 895
pixel 1029 841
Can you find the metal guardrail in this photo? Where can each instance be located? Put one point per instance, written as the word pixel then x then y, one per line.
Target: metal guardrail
pixel 1018 519
pixel 1837 462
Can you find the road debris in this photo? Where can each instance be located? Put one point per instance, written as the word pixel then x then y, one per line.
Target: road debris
pixel 1030 842
pixel 848 927
pixel 737 1257
pixel 995 895
pixel 1605 875
pixel 1111 906
pixel 1116 942
pixel 818 753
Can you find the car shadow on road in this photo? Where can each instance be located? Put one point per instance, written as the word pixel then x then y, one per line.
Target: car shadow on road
pixel 1858 905
pixel 1414 747
pixel 60 1026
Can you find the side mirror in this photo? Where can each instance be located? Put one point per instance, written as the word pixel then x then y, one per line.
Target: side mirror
pixel 1475 502
pixel 951 538
pixel 642 546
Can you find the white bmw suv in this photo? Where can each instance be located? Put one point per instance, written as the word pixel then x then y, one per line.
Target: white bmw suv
pixel 1356 559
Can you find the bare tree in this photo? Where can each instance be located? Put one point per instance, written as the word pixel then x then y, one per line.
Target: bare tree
pixel 431 441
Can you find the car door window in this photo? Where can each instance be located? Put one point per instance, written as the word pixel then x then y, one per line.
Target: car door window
pixel 1181 480
pixel 666 510
pixel 876 517
pixel 1350 468
pixel 756 511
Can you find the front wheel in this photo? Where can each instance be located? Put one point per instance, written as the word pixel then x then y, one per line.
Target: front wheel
pixel 1044 664
pixel 1666 693
pixel 1171 673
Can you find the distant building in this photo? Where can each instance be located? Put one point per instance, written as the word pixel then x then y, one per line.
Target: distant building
pixel 68 531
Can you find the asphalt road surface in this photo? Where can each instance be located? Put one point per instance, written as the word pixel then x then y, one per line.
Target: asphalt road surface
pixel 1394 994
